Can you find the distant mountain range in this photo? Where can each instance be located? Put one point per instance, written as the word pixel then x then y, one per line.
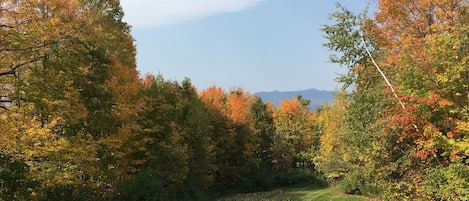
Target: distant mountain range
pixel 317 97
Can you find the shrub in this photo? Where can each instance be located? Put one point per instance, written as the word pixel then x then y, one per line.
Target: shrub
pixel 298 177
pixel 13 182
pixel 359 183
pixel 145 186
pixel 448 183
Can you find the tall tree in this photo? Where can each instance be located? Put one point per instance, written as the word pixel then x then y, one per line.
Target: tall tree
pixel 235 142
pixel 71 66
pixel 328 124
pixel 406 44
pixel 293 136
pixel 262 123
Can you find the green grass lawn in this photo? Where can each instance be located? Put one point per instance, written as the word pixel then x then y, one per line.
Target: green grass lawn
pixel 295 194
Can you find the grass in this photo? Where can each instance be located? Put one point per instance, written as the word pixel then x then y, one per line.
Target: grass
pixel 295 194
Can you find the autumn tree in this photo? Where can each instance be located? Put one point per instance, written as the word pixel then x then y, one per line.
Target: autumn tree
pixel 395 65
pixel 432 79
pixel 327 124
pixel 293 138
pixel 235 141
pixel 70 66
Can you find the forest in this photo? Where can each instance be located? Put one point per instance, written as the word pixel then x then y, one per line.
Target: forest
pixel 78 121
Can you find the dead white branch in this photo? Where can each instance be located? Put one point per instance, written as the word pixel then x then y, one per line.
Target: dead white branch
pixel 384 77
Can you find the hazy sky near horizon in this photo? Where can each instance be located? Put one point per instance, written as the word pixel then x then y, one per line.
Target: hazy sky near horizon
pixel 259 45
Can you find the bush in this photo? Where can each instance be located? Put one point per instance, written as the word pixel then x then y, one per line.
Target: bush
pixel 68 192
pixel 448 183
pixel 13 182
pixel 298 177
pixel 146 186
pixel 192 191
pixel 359 183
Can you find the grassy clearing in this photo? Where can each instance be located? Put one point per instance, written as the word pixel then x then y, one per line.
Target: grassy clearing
pixel 295 194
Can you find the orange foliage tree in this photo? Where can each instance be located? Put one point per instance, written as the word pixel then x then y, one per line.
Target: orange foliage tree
pixel 419 45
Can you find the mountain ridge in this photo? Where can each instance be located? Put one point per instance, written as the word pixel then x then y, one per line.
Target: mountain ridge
pixel 317 97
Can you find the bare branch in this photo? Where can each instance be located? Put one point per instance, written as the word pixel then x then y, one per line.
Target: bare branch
pixel 6 26
pixel 13 69
pixel 28 48
pixel 9 72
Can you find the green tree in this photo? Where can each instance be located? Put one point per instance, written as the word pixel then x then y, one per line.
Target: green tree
pixel 262 120
pixel 360 136
pixel 177 146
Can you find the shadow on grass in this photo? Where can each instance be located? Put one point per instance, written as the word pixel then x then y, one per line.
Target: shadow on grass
pixel 295 194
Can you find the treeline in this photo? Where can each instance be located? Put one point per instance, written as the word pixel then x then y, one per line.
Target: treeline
pixel 77 122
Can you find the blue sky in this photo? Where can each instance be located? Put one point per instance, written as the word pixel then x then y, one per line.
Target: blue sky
pixel 259 45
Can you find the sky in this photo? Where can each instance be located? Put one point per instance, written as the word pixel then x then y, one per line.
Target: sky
pixel 258 45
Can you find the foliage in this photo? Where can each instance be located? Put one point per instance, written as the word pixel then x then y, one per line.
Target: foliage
pixel 297 177
pixel 327 124
pixel 293 139
pixel 14 185
pixel 448 183
pixel 145 186
pixel 405 150
pixel 261 116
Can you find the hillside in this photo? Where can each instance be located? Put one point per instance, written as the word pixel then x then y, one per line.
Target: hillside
pixel 317 97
